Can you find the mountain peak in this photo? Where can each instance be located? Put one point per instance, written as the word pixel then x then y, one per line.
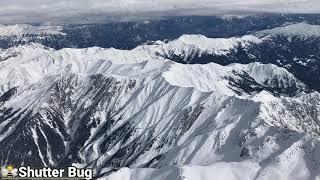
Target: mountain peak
pixel 27 29
pixel 302 29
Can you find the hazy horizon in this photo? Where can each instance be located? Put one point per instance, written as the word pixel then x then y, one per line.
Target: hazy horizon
pixel 91 11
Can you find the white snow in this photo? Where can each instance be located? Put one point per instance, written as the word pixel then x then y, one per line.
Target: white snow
pixel 302 29
pixel 26 29
pixel 189 44
pixel 31 62
pixel 31 66
pixel 211 77
pixel 296 170
pixel 212 45
pixel 279 140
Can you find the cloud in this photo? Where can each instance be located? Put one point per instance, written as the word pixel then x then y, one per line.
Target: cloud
pixel 40 11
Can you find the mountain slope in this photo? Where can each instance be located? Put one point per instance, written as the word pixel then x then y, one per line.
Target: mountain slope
pixel 302 30
pixel 108 109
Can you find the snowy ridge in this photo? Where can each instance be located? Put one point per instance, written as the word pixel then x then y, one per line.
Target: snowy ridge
pixel 211 45
pixel 23 53
pixel 132 114
pixel 197 45
pixel 303 30
pixel 26 29
pixel 202 77
pixel 35 62
pixel 236 16
pixel 18 70
pixel 261 140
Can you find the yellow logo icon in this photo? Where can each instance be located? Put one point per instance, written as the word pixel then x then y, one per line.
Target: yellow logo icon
pixel 9 172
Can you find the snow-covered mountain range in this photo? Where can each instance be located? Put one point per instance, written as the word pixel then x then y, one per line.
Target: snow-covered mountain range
pixel 21 30
pixel 302 30
pixel 129 34
pixel 287 46
pixel 146 113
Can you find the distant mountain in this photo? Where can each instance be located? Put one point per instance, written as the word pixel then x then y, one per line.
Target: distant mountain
pixel 288 46
pixel 128 35
pixel 25 30
pixel 297 30
pixel 285 46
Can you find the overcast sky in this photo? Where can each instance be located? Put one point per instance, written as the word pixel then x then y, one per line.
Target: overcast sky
pixel 28 11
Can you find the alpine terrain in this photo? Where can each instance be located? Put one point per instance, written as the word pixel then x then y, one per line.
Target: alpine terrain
pixel 191 105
